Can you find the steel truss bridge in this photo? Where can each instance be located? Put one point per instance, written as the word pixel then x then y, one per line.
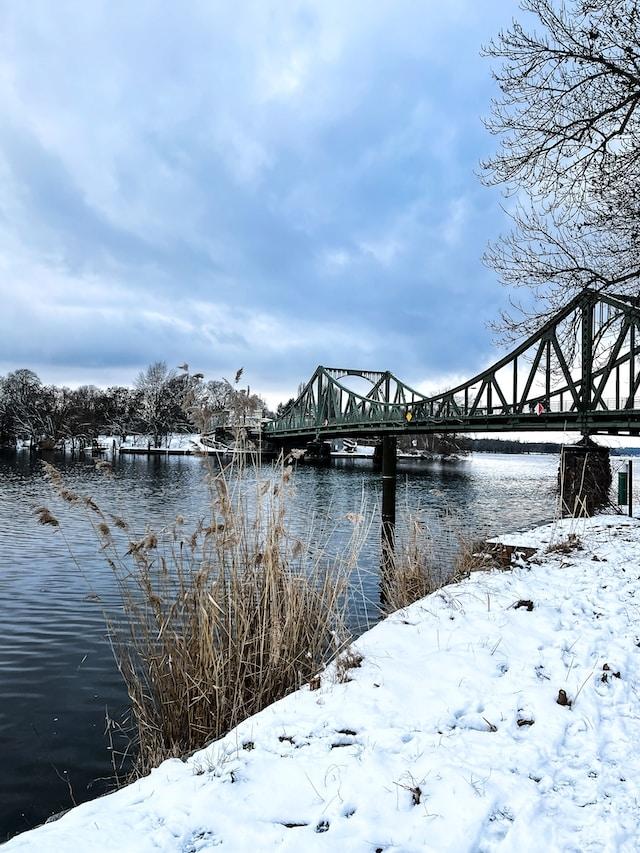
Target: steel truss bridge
pixel 578 372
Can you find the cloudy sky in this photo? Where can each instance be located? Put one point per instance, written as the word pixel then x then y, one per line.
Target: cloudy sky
pixel 272 185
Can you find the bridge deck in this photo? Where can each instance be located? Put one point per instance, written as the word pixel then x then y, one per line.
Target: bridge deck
pixel 603 423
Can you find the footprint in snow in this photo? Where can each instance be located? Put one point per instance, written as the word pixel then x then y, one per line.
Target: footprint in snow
pixel 200 841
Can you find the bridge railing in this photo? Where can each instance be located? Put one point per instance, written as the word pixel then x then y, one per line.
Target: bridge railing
pixel 416 414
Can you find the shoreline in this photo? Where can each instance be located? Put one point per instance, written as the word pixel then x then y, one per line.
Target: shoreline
pixel 448 735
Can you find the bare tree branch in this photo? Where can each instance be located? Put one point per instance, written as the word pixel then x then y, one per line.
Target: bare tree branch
pixel 568 119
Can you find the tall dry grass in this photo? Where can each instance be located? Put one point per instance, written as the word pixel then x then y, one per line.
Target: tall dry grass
pixel 220 619
pixel 417 567
pixel 410 572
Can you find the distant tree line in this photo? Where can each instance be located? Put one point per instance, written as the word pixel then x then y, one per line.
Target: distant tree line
pixel 504 445
pixel 162 401
pixel 439 444
pixel 455 444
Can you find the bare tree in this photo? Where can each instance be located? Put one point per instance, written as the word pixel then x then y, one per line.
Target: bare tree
pixel 121 414
pixel 161 394
pixel 22 400
pixel 206 404
pixel 282 407
pixel 244 407
pixel 568 118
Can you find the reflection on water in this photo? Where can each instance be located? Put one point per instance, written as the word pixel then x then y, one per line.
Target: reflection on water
pixel 57 673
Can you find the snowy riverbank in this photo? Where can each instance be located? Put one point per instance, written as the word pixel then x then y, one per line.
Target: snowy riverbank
pixel 448 736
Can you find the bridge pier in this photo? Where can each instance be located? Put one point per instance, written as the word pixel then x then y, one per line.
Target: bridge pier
pixel 389 465
pixel 584 478
pixel 317 451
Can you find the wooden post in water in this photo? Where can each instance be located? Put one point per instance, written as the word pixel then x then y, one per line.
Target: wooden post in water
pixel 389 464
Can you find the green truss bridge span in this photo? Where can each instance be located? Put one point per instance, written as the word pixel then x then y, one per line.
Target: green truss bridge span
pixel 580 372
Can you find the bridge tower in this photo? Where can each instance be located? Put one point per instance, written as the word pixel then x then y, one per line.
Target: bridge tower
pixel 586 385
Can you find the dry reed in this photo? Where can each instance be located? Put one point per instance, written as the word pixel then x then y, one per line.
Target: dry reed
pixel 476 555
pixel 219 620
pixel 413 573
pixel 410 573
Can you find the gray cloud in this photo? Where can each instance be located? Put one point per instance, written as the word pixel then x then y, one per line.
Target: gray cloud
pixel 268 186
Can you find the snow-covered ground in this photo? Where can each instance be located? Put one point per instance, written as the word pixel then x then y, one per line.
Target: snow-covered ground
pixel 361 452
pixel 174 441
pixel 498 714
pixel 186 443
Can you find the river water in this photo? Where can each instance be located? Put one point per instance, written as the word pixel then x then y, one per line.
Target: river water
pixel 57 672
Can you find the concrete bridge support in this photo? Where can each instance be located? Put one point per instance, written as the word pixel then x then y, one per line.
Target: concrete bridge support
pixel 317 451
pixel 584 478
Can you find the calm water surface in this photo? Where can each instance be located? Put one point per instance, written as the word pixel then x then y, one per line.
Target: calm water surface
pixel 57 673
